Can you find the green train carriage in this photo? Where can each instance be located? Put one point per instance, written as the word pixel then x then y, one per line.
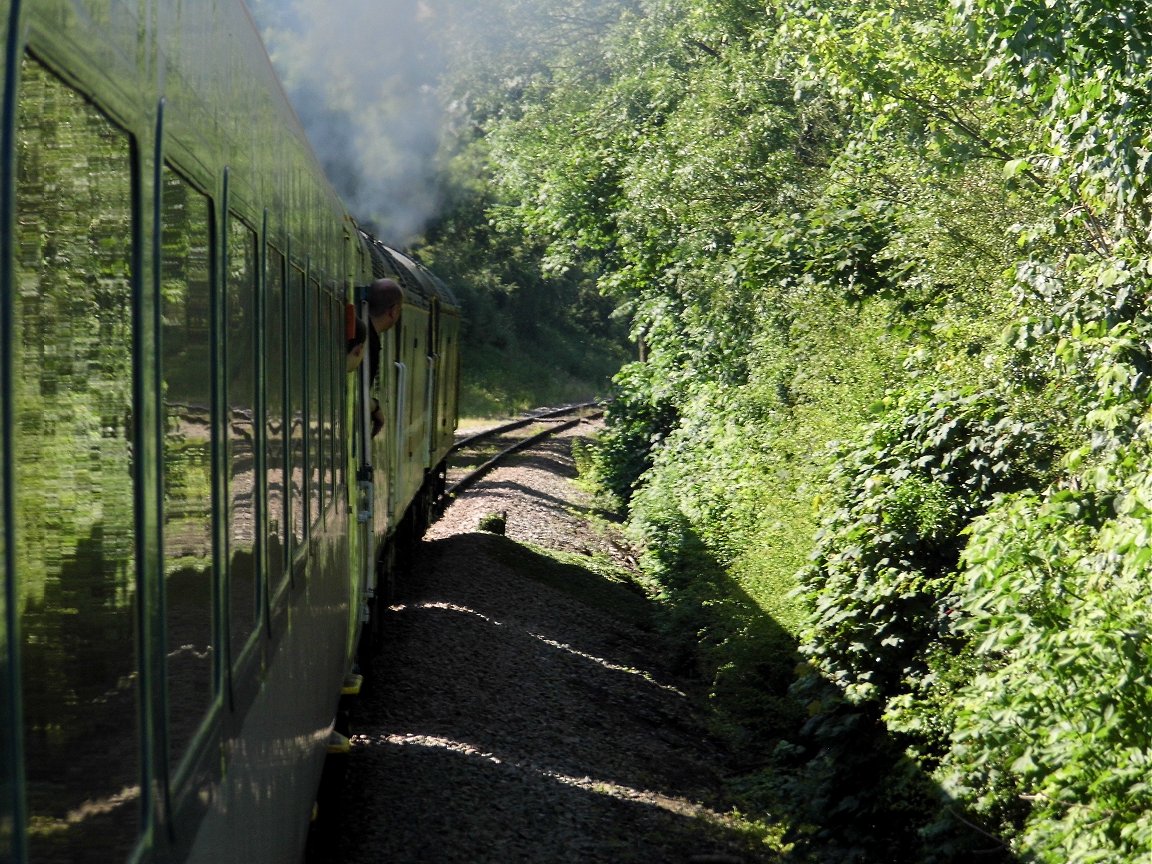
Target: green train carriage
pixel 185 562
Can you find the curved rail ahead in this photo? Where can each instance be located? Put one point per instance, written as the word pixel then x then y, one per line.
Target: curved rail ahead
pixel 542 414
pixel 474 475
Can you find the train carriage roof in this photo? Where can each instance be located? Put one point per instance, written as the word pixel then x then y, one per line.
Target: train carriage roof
pixel 431 283
pixel 420 285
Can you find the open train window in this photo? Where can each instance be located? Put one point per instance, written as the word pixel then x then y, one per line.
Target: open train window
pixel 275 429
pixel 240 431
pixel 187 340
pixel 75 536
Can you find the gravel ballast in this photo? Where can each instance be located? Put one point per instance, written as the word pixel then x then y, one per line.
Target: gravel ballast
pixel 522 708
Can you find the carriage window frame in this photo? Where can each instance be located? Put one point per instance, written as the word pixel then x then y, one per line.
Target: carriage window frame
pixel 336 380
pixel 296 345
pixel 275 388
pixel 182 747
pixel 313 382
pixel 105 572
pixel 241 325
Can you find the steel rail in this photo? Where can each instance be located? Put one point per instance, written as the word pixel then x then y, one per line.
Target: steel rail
pixel 517 424
pixel 478 472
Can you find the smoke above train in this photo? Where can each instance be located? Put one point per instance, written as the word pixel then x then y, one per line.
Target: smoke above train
pixel 381 86
pixel 362 76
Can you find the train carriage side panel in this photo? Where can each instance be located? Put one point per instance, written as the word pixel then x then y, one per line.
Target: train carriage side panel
pixel 386 390
pixel 414 421
pixel 435 476
pixel 405 382
pixel 391 388
pixel 420 349
pixel 361 552
pixel 447 393
pixel 75 343
pixel 284 729
pixel 172 562
pixel 11 731
pixel 404 378
pixel 443 361
pixel 179 449
pixel 448 389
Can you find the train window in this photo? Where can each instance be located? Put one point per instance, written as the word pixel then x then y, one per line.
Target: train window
pixel 276 450
pixel 186 356
pixel 336 386
pixel 324 374
pixel 74 523
pixel 315 372
pixel 296 312
pixel 335 364
pixel 240 315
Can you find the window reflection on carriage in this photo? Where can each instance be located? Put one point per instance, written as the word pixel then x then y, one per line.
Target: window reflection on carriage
pixel 240 321
pixel 297 406
pixel 75 541
pixel 186 358
pixel 315 374
pixel 276 448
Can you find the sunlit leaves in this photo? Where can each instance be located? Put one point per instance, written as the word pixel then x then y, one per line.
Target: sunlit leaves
pixel 785 198
pixel 1083 67
pixel 885 560
pixel 1057 600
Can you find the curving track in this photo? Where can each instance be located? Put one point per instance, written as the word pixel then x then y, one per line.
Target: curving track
pixel 474 455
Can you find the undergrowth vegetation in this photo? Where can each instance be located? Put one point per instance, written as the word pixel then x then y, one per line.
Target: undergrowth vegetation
pixel 529 337
pixel 888 446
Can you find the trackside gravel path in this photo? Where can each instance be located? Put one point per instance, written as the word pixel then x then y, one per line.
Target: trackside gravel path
pixel 522 709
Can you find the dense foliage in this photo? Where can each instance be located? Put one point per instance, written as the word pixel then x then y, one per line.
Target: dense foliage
pixel 529 337
pixel 888 443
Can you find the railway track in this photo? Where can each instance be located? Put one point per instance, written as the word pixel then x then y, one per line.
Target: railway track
pixel 477 453
pixel 523 706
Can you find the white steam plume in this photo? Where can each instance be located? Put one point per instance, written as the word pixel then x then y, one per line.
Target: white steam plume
pixel 365 78
pixel 362 75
